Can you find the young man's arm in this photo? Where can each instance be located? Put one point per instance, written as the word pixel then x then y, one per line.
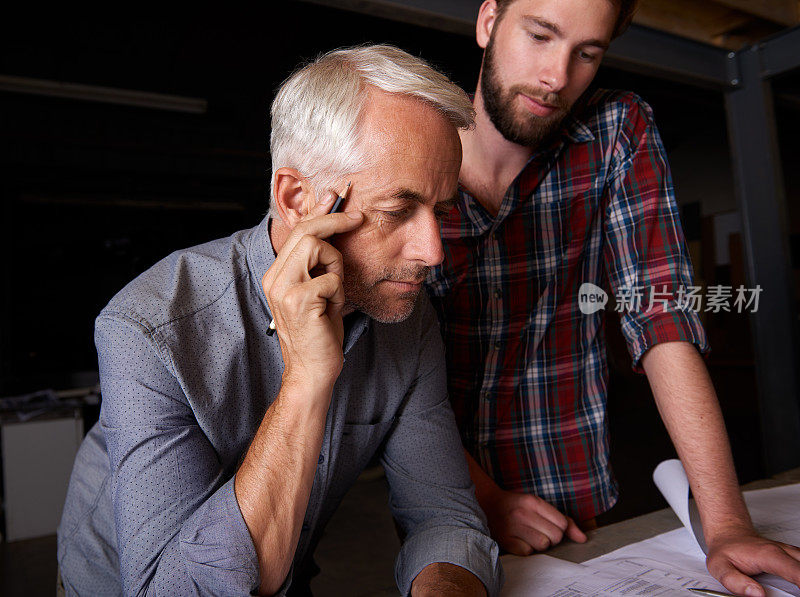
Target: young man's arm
pixel 690 410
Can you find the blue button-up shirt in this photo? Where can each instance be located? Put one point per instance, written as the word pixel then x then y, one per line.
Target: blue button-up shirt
pixel 187 373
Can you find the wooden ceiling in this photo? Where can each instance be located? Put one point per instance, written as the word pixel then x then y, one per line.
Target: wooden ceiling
pixel 726 23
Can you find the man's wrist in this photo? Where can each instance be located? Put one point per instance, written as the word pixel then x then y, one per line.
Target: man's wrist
pixel 304 387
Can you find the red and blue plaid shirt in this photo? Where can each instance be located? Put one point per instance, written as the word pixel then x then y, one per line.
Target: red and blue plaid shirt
pixel 527 368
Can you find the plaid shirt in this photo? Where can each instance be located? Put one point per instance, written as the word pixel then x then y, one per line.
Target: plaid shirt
pixel 527 368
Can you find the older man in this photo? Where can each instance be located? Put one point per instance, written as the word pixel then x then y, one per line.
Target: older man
pixel 221 452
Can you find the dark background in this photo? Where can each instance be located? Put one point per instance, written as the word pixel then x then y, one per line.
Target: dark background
pixel 93 194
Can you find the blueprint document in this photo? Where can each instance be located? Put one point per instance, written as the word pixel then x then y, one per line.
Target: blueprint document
pixel 666 565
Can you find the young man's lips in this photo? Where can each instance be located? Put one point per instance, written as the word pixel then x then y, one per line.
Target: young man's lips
pixel 537 107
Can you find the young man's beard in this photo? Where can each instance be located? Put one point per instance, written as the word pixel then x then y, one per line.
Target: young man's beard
pixel 528 129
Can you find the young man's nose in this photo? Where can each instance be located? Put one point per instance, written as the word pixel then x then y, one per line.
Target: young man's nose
pixel 554 74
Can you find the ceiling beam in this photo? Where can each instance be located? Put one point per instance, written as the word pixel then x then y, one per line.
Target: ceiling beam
pixel 779 53
pixel 453 16
pixel 783 12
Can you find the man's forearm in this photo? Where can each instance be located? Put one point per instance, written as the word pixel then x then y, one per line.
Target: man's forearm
pixel 443 579
pixel 689 408
pixel 274 481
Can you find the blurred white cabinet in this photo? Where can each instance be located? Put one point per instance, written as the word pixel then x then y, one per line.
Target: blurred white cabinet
pixel 37 462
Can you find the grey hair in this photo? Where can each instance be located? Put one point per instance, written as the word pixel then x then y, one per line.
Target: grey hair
pixel 316 113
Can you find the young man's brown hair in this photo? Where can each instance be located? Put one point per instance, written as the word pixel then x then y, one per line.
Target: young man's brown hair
pixel 627 8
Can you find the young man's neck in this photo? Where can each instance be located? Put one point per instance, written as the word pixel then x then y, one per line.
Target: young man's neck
pixel 491 162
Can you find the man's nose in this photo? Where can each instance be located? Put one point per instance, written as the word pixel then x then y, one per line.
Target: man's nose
pixel 426 241
pixel 555 72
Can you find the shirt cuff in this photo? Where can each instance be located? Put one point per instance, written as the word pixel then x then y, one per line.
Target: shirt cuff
pixel 662 326
pixel 217 547
pixel 468 548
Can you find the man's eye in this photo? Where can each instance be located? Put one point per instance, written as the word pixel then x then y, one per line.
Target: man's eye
pixel 397 214
pixel 586 56
pixel 538 37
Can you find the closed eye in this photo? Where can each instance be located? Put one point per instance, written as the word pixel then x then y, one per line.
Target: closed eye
pixel 397 214
pixel 538 36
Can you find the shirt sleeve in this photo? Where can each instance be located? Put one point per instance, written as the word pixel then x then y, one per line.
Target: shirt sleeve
pixel 431 493
pixel 178 524
pixel 645 253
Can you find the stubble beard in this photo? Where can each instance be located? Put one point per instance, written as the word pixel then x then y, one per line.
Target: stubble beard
pixel 362 294
pixel 500 104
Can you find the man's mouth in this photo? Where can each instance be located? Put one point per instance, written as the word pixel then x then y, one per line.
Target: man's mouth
pixel 537 106
pixel 406 285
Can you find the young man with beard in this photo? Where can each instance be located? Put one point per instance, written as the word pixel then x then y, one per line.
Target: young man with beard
pixel 559 189
pixel 222 452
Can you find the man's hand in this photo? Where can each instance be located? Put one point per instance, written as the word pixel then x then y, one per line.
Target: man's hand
pixel 308 309
pixel 523 523
pixel 443 579
pixel 734 557
pixel 520 523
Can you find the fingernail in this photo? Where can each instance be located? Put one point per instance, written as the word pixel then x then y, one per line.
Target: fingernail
pixel 328 198
pixel 752 591
pixel 356 215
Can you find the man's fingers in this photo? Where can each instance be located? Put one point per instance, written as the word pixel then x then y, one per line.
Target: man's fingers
pixel 328 286
pixel 309 253
pixel 535 537
pixel 733 580
pixel 574 532
pixel 783 565
pixel 323 206
pixel 516 546
pixel 792 550
pixel 550 513
pixel 324 226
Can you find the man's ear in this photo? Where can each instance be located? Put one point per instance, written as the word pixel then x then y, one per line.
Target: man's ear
pixel 487 18
pixel 293 195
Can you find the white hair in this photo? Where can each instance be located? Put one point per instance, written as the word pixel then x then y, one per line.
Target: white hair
pixel 316 113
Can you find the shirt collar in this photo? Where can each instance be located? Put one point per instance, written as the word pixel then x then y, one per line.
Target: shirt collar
pixel 261 256
pixel 577 131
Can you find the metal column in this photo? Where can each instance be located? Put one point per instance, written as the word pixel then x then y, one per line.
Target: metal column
pixel 762 202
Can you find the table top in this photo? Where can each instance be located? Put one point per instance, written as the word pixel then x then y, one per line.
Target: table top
pixel 606 539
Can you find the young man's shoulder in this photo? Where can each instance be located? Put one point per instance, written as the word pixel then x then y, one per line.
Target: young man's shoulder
pixel 606 107
pixel 183 283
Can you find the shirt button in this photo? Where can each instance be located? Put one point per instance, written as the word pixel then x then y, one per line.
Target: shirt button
pixel 497 344
pixel 485 395
pixel 321 459
pixel 498 293
pixel 305 527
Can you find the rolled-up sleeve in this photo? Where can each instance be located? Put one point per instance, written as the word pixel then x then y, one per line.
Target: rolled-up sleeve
pixel 178 524
pixel 432 496
pixel 645 252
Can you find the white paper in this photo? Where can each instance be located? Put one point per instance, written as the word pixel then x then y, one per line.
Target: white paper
pixel 672 482
pixel 775 512
pixel 664 565
pixel 545 576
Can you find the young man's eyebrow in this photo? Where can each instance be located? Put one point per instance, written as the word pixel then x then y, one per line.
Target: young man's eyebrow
pixel 531 19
